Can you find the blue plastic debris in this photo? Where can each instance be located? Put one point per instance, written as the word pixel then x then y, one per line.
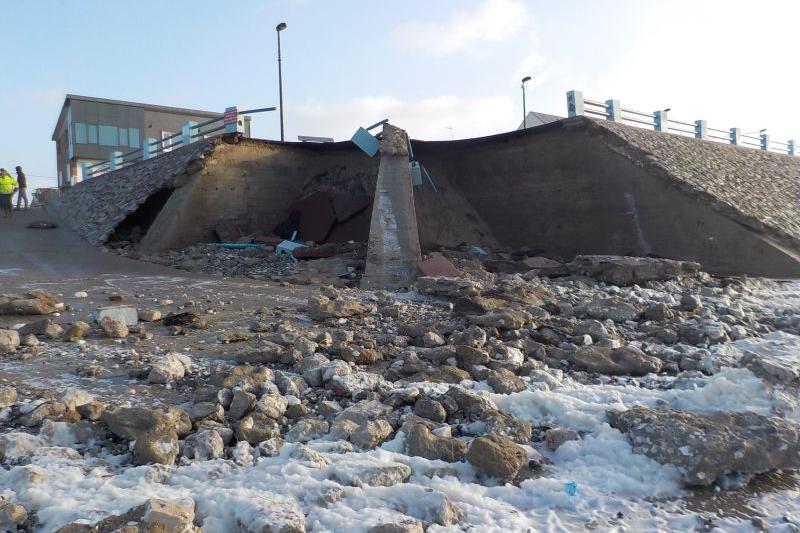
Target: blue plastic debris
pixel 571 488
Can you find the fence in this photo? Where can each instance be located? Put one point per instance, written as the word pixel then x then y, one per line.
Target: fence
pixel 660 121
pixel 191 132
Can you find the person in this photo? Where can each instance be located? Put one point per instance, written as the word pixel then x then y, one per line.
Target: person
pixel 22 183
pixel 7 187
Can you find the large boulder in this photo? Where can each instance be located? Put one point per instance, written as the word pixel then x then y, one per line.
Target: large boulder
pixel 497 456
pixel 622 270
pixel 9 340
pixel 627 360
pixel 421 442
pixel 33 303
pixel 322 308
pixel 707 447
pixel 155 432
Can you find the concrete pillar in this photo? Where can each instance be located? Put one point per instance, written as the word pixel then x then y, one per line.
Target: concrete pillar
pixel 575 105
pixel 248 121
pixel 736 136
pixel 148 146
pixel 765 141
pixel 700 129
pixel 613 111
pixel 661 121
pixel 393 251
pixel 231 120
pixel 189 128
pixel 792 147
pixel 114 160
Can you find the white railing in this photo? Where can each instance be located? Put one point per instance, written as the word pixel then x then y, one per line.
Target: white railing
pixel 660 121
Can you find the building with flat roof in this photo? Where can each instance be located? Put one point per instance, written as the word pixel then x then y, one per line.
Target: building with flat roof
pixel 534 118
pixel 89 129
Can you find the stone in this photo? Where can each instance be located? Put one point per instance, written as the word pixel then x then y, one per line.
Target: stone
pixel 604 308
pixel 256 427
pixel 114 327
pixel 708 447
pixel 355 384
pixel 497 456
pixel 77 331
pixel 44 327
pixel 47 410
pixel 323 308
pixel 172 516
pixel 371 434
pixel 29 341
pixel 127 314
pixel 469 356
pixel 504 381
pixel 383 475
pixel 307 429
pixel 81 294
pixel 430 409
pixel 73 397
pixel 17 445
pixel 9 341
pixel 690 302
pixel 268 512
pixel 270 447
pixel 658 312
pixel 326 408
pixel 233 335
pixel 13 516
pixel 439 266
pixel 171 367
pixel 469 402
pixel 506 425
pixel 272 405
pixel 442 374
pixel 555 437
pixel 186 319
pixel 8 395
pixel 503 319
pixel 241 404
pixel 304 453
pixel 626 360
pixel 403 525
pixel 206 410
pixel 421 442
pixel 431 339
pixel 203 446
pixel 158 445
pixel 473 336
pixel 149 315
pixel 622 270
pixel 33 303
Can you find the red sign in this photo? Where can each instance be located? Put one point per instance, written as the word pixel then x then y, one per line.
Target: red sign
pixel 231 115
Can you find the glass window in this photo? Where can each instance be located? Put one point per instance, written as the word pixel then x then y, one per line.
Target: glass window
pixel 80 133
pixel 133 137
pixel 108 136
pixel 91 129
pixel 123 136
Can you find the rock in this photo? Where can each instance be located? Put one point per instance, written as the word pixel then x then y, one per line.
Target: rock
pixel 430 409
pixel 304 453
pixel 470 402
pixel 707 447
pixel 16 445
pixel 504 381
pixel 158 445
pixel 171 367
pixel 33 303
pixel 404 525
pixel 473 336
pixel 442 374
pixel 270 447
pixel 431 339
pixel 77 331
pixel 627 360
pixel 326 408
pixel 256 428
pixel 9 340
pixel 421 442
pixel 323 308
pixel 114 327
pixel 13 517
pixel 616 309
pixel 384 475
pixel 204 445
pixel 73 397
pixel 307 429
pixel 44 327
pixel 234 335
pixel 186 319
pixel 439 266
pixel 81 294
pixel 242 403
pixel 127 314
pixel 29 341
pixel 163 515
pixel 622 270
pixel 497 456
pixel 47 410
pixel 504 319
pixel 555 437
pixel 506 425
pixel 272 405
pixel 658 312
pixel 371 434
pixel 690 302
pixel 149 315
pixel 357 383
pixel 469 356
pixel 242 454
pixel 433 506
pixel 8 395
pixel 206 410
pixel 267 512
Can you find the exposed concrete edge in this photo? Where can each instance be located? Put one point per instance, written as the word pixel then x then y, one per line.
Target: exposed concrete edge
pixel 624 148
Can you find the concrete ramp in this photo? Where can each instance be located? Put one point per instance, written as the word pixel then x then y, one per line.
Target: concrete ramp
pixel 576 186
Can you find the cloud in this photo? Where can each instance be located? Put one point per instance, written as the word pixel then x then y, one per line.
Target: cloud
pixel 491 22
pixel 429 118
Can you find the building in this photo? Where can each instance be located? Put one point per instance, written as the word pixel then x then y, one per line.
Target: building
pixel 89 129
pixel 535 118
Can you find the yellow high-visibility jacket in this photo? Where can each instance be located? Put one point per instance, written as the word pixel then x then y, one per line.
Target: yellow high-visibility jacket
pixel 8 184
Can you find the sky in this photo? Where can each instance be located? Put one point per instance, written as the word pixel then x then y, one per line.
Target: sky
pixel 435 68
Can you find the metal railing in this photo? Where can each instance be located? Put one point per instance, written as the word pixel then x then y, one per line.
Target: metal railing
pixel 659 121
pixel 190 132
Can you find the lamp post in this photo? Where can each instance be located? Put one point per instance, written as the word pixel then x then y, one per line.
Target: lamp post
pixel 524 110
pixel 279 28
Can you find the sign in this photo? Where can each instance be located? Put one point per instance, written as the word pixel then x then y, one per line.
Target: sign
pixel 231 115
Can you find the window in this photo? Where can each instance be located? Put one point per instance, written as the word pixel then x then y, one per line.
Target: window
pixel 108 136
pixel 92 131
pixel 133 137
pixel 80 133
pixel 167 145
pixel 123 136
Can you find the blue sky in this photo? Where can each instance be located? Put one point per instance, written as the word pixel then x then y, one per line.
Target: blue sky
pixel 428 66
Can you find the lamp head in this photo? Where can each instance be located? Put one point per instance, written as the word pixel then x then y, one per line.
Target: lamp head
pixel 526 78
pixel 281 26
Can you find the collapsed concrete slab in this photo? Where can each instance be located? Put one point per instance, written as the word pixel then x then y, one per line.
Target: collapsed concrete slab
pixel 573 187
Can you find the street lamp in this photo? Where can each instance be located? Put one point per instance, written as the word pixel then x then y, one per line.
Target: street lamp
pixel 524 110
pixel 279 28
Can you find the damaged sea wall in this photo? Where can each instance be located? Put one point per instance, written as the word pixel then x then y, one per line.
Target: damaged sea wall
pixel 576 187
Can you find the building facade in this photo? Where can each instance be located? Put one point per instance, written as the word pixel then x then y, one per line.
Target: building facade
pixel 89 129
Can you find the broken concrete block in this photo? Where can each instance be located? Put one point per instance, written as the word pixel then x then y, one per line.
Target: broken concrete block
pixel 149 315
pixel 439 266
pixel 127 313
